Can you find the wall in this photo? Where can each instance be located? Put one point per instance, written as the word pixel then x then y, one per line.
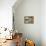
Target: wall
pixel 29 8
pixel 6 13
pixel 6 18
pixel 43 22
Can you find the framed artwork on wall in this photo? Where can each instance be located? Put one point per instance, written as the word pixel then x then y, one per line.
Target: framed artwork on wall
pixel 29 19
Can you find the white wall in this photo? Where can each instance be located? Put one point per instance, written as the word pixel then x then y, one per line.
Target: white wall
pixel 6 18
pixel 6 13
pixel 43 22
pixel 36 30
pixel 29 8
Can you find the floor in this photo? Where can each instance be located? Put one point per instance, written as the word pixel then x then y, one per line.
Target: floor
pixel 9 43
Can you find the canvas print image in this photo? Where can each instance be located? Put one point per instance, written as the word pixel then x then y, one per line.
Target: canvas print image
pixel 29 19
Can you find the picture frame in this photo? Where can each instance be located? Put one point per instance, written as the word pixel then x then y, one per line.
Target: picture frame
pixel 29 19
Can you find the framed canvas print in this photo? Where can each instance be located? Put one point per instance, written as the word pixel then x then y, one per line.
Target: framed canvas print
pixel 29 19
